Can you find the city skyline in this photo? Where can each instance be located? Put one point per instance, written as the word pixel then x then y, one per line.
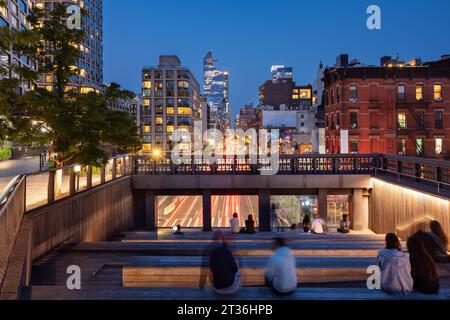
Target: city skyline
pixel 247 47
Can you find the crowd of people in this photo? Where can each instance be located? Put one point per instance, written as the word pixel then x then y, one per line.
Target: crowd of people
pixel 402 272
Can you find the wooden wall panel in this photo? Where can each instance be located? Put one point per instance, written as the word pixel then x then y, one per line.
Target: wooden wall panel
pixel 404 211
pixel 94 215
pixel 10 219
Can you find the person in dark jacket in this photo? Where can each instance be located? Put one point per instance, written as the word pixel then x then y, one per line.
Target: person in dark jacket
pixel 423 268
pixel 249 225
pixel 225 271
pixel 439 244
pixel 306 223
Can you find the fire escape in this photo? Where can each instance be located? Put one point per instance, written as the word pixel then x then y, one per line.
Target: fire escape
pixel 420 128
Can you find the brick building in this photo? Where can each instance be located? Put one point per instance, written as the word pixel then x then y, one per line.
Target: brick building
pixel 395 108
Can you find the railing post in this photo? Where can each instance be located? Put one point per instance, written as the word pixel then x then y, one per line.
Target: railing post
pixel 124 166
pixel 89 177
pixel 51 187
pixel 114 169
pixel 72 179
pixel 103 174
pixel 439 178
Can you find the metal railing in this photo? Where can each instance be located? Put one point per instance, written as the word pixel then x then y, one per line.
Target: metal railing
pixel 426 174
pixel 46 187
pixel 285 165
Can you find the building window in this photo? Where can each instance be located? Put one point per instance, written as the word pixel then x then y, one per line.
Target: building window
pixel 354 148
pixel 419 92
pixel 353 120
pixel 438 120
pixel 420 116
pixel 437 93
pixel 402 146
pixel 401 93
pixel 420 146
pixel 402 124
pixel 305 93
pixel 439 148
pixel 146 85
pixel 353 94
pixel 147 129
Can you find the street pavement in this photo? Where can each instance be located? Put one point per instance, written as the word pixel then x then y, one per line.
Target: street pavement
pixel 11 168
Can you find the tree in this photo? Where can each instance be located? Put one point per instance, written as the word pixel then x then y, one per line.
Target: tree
pixel 77 127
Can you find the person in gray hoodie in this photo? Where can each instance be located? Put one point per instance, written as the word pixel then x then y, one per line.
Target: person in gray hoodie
pixel 281 272
pixel 395 268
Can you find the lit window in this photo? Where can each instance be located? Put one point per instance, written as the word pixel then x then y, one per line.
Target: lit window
pixel 420 146
pixel 185 111
pixel 419 92
pixel 159 120
pixel 147 129
pixel 439 147
pixel 147 147
pixel 305 93
pixel 147 85
pixel 170 111
pixel 295 97
pixel 402 120
pixel 170 129
pixel 437 92
pixel 146 102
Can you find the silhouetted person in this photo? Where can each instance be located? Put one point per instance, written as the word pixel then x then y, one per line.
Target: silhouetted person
pixel 306 223
pixel 423 268
pixel 344 225
pixel 235 224
pixel 225 272
pixel 281 272
pixel 178 231
pixel 438 247
pixel 273 218
pixel 395 268
pixel 249 225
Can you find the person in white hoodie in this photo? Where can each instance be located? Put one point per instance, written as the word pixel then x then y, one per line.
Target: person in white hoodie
pixel 281 272
pixel 395 268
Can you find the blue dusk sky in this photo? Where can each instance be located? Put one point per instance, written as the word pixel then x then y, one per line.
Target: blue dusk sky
pixel 249 36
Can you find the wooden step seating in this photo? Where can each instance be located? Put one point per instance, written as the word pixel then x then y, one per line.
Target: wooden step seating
pixel 191 271
pixel 249 293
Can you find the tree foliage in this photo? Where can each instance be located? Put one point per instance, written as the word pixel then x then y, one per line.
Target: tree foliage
pixel 77 127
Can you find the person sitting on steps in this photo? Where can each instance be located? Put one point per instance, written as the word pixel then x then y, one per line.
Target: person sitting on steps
pixel 395 268
pixel 344 225
pixel 424 270
pixel 249 225
pixel 235 224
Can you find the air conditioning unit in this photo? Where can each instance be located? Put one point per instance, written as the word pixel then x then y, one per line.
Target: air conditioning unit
pixel 438 99
pixel 353 100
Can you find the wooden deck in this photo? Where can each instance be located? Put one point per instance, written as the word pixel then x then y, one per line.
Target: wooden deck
pixel 141 265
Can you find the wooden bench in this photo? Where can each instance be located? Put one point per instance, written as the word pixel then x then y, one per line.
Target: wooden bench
pixel 191 271
pixel 250 293
pixel 299 249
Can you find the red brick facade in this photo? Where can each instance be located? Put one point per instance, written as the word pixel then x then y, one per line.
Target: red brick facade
pixel 382 109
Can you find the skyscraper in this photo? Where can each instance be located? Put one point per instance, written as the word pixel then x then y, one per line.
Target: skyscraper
pixel 216 90
pixel 171 99
pixel 91 60
pixel 14 16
